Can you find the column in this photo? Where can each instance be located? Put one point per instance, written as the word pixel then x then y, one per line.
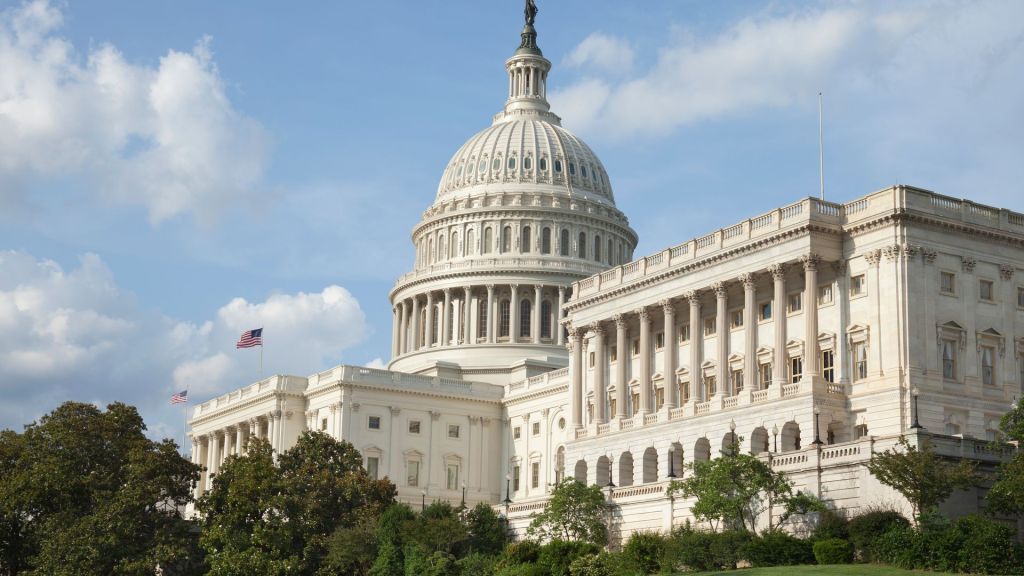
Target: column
pixel 600 365
pixel 670 352
pixel 239 438
pixel 394 331
pixel 414 338
pixel 229 441
pixel 841 359
pixel 812 357
pixel 558 315
pixel 536 313
pixel 490 314
pixel 722 337
pixel 403 330
pixel 576 372
pixel 467 319
pixel 513 329
pixel 749 332
pixel 271 428
pixel 446 333
pixel 645 360
pixel 622 351
pixel 254 432
pixel 696 347
pixel 778 272
pixel 428 339
pixel 213 463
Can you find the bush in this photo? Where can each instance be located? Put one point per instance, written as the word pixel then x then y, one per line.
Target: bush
pixel 777 548
pixel 556 556
pixel 689 549
pixel 476 564
pixel 525 552
pixel 971 544
pixel 833 551
pixel 831 524
pixel 602 564
pixel 644 552
pixel 864 529
pixel 987 547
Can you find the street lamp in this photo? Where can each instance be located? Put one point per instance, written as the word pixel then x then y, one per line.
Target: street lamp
pixel 671 463
pixel 817 438
pixel 463 494
pixel 423 501
pixel 508 499
pixel 610 484
pixel 916 425
pixel 775 437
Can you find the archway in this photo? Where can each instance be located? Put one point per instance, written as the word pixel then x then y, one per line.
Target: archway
pixel 580 472
pixel 626 469
pixel 790 439
pixel 603 471
pixel 702 449
pixel 560 465
pixel 729 443
pixel 759 440
pixel 675 460
pixel 650 466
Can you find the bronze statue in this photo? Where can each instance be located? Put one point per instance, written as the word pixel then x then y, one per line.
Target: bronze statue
pixel 530 12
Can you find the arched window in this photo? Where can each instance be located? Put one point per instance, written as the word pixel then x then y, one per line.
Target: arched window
pixel 564 244
pixel 482 317
pixel 611 254
pixel 543 164
pixel 597 248
pixel 506 239
pixel 583 245
pixel 505 311
pixel 524 318
pixel 527 163
pixel 558 166
pixel 545 319
pixel 470 237
pixel 453 248
pixel 430 251
pixel 435 326
pixel 488 240
pixel 423 252
pixel 545 240
pixel 441 252
pixel 512 163
pixel 526 240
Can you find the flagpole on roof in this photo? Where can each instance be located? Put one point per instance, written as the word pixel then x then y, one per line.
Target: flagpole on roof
pixel 261 352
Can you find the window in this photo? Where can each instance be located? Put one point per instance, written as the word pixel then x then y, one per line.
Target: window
pixel 526 240
pixel 709 326
pixel 988 369
pixel 636 347
pixel 453 477
pixel 764 311
pixel 824 294
pixel 534 474
pixel 659 340
pixel 582 245
pixel 947 282
pixel 765 375
pixel 711 384
pixel 736 319
pixel 488 240
pixel 860 360
pixel 597 248
pixel 564 244
pixel 590 412
pixel 860 431
pixel 525 310
pixel 1020 297
pixel 482 317
pixel 535 429
pixel 591 359
pixel 496 164
pixel 517 432
pixel 613 353
pixel 795 302
pixel 684 333
pixel 858 285
pixel 512 163
pixel 558 166
pixel 506 239
pixel 796 369
pixel 659 398
pixel 986 290
pixel 635 398
pixel 453 430
pixel 412 473
pixel 453 247
pixel 828 363
pixel 515 478
pixel 545 241
pixel 470 244
pixel 372 466
pixel 684 392
pixel 414 426
pixel 323 424
pixel 612 405
pixel 545 319
pixel 572 168
pixel 374 422
pixel 527 163
pixel 737 381
pixel 949 360
pixel 505 313
pixel 543 164
pixel 611 253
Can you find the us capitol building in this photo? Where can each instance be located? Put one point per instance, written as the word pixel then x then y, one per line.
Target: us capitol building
pixel 530 345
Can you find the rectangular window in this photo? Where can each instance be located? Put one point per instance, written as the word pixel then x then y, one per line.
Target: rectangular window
pixel 947 282
pixel 711 384
pixel 611 407
pixel 828 370
pixel 534 474
pixel 860 431
pixel 858 285
pixel 860 360
pixel 636 402
pixel 736 319
pixel 796 369
pixel 453 477
pixel 659 340
pixel 1020 297
pixel 323 424
pixel 414 426
pixel 795 302
pixel 684 392
pixel 988 366
pixel 613 353
pixel 590 412
pixel 986 290
pixel 592 359
pixel 737 381
pixel 517 432
pixel 636 346
pixel 824 294
pixel 515 478
pixel 765 371
pixel 764 311
pixel 659 398
pixel 374 422
pixel 536 428
pixel 709 326
pixel 372 466
pixel 453 430
pixel 412 468
pixel 684 330
pixel 949 360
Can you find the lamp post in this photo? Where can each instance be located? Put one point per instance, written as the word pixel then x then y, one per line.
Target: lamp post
pixel 733 444
pixel 423 501
pixel 775 437
pixel 610 484
pixel 463 495
pixel 915 393
pixel 508 499
pixel 671 463
pixel 817 438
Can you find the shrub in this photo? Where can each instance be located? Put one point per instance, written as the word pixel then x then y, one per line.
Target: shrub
pixel 867 527
pixel 525 552
pixel 831 524
pixel 696 550
pixel 602 564
pixel 644 552
pixel 476 564
pixel 833 551
pixel 987 547
pixel 777 548
pixel 556 556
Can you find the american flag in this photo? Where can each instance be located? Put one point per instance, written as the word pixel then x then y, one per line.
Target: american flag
pixel 179 397
pixel 250 338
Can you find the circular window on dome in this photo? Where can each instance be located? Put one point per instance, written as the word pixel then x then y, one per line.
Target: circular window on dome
pixel 512 163
pixel 572 168
pixel 496 164
pixel 561 423
pixel 527 163
pixel 483 165
pixel 543 164
pixel 558 166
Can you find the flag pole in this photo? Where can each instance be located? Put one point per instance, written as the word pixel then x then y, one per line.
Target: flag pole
pixel 261 353
pixel 821 150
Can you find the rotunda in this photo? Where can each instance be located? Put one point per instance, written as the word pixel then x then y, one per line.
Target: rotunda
pixel 524 209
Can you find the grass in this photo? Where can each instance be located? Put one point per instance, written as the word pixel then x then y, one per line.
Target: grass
pixel 832 570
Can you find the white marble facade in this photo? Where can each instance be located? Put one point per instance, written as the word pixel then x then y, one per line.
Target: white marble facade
pixel 528 345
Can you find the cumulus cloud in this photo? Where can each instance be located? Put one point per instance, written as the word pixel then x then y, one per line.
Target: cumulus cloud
pixel 164 137
pixel 602 52
pixel 74 334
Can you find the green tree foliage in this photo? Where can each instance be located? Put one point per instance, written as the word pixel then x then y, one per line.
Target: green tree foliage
pixel 350 551
pixel 487 533
pixel 1007 493
pixel 573 512
pixel 923 477
pixel 83 491
pixel 279 518
pixel 437 528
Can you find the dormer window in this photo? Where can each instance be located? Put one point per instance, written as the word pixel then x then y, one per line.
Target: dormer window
pixel 527 163
pixel 511 164
pixel 558 166
pixel 496 165
pixel 572 168
pixel 543 164
pixel 483 165
pixel 583 171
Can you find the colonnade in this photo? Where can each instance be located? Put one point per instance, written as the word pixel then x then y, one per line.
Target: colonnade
pixel 637 324
pixel 211 449
pixel 461 322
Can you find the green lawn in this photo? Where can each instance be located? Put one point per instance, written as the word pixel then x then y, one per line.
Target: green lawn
pixel 837 570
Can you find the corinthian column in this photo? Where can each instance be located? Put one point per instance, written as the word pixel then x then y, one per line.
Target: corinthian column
pixel 620 367
pixel 576 375
pixel 722 337
pixel 415 336
pixel 670 352
pixel 812 357
pixel 428 340
pixel 536 313
pixel 696 347
pixel 403 329
pixel 467 323
pixel 446 333
pixel 749 332
pixel 490 314
pixel 778 272
pixel 645 360
pixel 600 387
pixel 558 316
pixel 513 329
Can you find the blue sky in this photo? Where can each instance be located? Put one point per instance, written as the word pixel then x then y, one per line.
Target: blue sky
pixel 172 173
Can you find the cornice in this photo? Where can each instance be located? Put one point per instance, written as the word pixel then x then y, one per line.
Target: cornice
pixel 620 225
pixel 247 403
pixel 534 394
pixel 504 273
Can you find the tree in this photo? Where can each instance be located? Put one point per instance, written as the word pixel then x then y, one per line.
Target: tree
pixel 436 529
pixel 734 489
pixel 573 512
pixel 487 534
pixel 84 491
pixel 1007 493
pixel 923 477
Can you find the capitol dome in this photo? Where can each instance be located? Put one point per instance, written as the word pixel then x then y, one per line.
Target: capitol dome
pixel 523 209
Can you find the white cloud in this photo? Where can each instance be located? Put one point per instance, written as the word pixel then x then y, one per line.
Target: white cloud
pixel 602 52
pixel 377 363
pixel 165 137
